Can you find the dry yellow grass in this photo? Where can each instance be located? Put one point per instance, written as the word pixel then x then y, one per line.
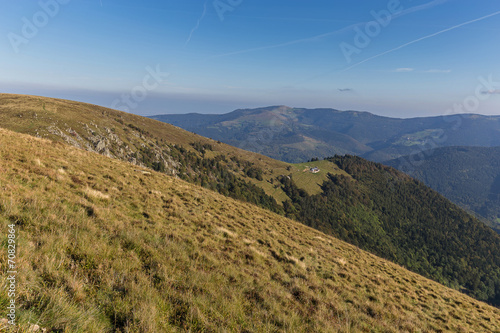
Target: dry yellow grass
pixel 35 114
pixel 39 116
pixel 94 193
pixel 161 255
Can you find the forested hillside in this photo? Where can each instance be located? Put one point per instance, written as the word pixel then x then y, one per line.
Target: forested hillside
pixel 468 176
pixel 388 213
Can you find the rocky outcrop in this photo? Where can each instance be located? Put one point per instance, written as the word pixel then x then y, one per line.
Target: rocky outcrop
pixel 105 142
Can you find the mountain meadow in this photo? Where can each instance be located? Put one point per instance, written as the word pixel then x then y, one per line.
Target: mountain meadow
pixel 133 225
pixel 105 246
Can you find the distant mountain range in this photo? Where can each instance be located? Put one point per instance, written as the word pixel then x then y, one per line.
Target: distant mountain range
pixel 297 135
pixel 468 176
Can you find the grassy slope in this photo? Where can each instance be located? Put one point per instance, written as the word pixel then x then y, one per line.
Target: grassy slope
pixel 39 116
pixel 306 180
pixel 103 247
pixel 34 114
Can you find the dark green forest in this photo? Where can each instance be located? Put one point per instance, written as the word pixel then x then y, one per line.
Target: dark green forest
pixel 468 176
pixel 396 217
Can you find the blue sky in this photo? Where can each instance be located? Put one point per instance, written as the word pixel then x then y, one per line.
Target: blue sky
pixel 396 58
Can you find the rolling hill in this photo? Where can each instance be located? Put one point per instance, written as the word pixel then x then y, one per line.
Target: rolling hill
pixel 163 147
pixel 296 134
pixel 140 141
pixel 366 204
pixel 468 176
pixel 106 246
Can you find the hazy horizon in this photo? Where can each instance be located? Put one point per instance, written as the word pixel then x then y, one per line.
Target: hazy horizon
pixel 391 58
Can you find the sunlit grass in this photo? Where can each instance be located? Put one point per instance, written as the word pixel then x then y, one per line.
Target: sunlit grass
pixel 106 248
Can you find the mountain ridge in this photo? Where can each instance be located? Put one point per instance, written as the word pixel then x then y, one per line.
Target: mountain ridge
pixel 374 137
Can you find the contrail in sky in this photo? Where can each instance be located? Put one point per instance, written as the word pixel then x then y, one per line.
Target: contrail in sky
pixel 197 23
pixel 414 9
pixel 421 39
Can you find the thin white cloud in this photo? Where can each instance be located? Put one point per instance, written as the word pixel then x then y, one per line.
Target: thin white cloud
pixel 422 38
pixel 424 6
pixel 409 69
pixel 491 92
pixel 197 23
pixel 443 71
pixel 404 70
